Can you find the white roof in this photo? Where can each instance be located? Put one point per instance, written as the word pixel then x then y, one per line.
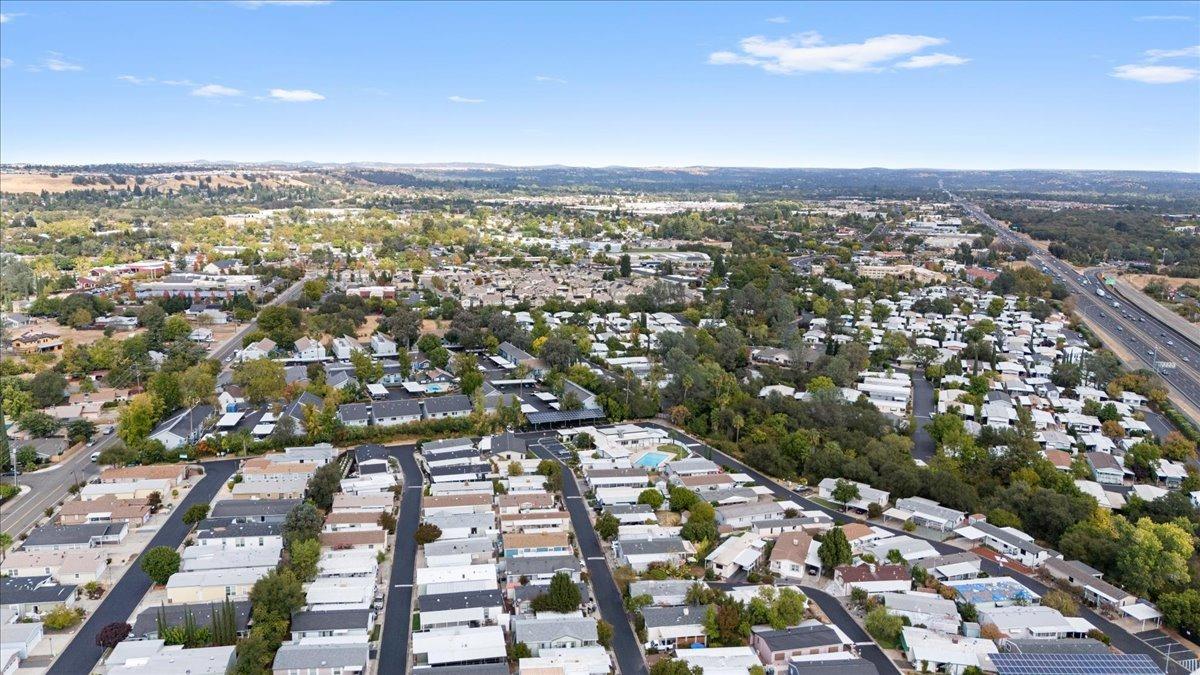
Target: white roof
pixel 459 644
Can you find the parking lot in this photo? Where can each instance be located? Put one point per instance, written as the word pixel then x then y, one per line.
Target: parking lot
pixel 1171 648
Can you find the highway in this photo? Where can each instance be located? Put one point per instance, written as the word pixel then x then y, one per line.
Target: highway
pixel 1153 344
pixel 50 486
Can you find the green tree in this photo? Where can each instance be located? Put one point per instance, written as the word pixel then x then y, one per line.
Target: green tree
pixel 303 555
pixel 324 484
pixel 682 498
pixel 366 369
pixel 1061 601
pixel 275 596
pixel 561 596
pixel 80 430
pixel 137 419
pixel 625 267
pixel 62 617
pixel 39 424
pixel 197 385
pixel 195 513
pixel 1182 610
pixel 884 627
pixel 835 550
pixel 470 378
pixel 607 526
pixel 301 523
pixel 669 666
pixel 47 388
pixel 844 492
pixel 262 379
pixel 651 497
pixel 159 563
pixel 427 533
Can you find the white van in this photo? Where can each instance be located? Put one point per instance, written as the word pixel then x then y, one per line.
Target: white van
pixel 95 457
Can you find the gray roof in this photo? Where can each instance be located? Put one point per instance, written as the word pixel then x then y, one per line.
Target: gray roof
pixel 334 619
pixel 434 446
pixel 1008 537
pixel 479 470
pixel 242 508
pixel 463 600
pixel 799 637
pixel 622 509
pixel 146 622
pixel 186 422
pixel 529 592
pixel 508 442
pixel 1056 646
pixel 665 587
pixel 683 615
pixel 323 656
pixel 407 407
pixel 446 404
pixel 535 631
pixel 541 564
pixel 369 452
pixel 459 546
pixel 838 667
pixel 652 546
pixel 451 520
pixel 222 528
pixel 465 453
pixel 948 559
pixel 22 590
pixel 353 412
pixel 476 669
pixel 60 535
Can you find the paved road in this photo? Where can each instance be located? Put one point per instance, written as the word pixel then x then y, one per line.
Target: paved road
pixel 82 654
pixel 608 598
pixel 1149 340
pixel 234 342
pixel 394 641
pixel 839 615
pixel 923 408
pixel 1121 639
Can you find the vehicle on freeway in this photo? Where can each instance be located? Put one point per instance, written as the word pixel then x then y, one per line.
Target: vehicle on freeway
pixel 95 457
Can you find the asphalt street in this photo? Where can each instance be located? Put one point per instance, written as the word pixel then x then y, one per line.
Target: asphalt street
pixel 397 616
pixel 608 597
pixel 82 654
pixel 840 616
pixel 923 408
pixel 1121 639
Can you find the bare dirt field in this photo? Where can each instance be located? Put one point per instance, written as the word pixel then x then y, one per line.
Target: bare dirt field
pixel 1140 281
pixel 37 182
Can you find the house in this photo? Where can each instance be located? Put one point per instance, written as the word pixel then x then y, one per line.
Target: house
pixel 539 570
pixel 327 594
pixel 376 503
pixel 576 660
pixel 354 414
pixel 105 508
pixel 910 549
pixel 308 349
pixel 450 552
pixel 632 514
pixel 740 516
pixel 127 490
pixel 776 647
pixel 519 357
pixel 640 553
pixel 964 565
pixel 871 578
pixel 344 346
pixel 536 521
pixel 71 566
pixel 338 623
pixel 257 350
pixel 867 495
pixel 372 540
pixel 927 513
pixel 347 563
pixel 1006 540
pixel 203 558
pixel 524 502
pixel 1072 572
pixel 558 632
pixel 441 407
pixel 321 659
pixel 226 534
pixel 940 652
pixel 184 428
pixel 992 592
pixel 67 537
pixel 213 585
pixel 36 341
pixel 720 660
pixel 464 525
pixel 403 411
pixel 664 593
pixel 467 608
pixel 383 346
pixel 676 628
pixel 735 554
pixel 145 625
pixel 351 520
pixel 455 579
pixel 254 510
pixel 442 647
pixel 468 503
pixel 794 557
pixel 35 595
pixel 1106 470
pixel 923 609
pixel 16 643
pixel 1034 622
pixel 155 657
pixel 262 469
pixel 534 544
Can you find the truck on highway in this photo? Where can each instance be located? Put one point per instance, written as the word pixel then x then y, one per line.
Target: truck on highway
pixel 1100 292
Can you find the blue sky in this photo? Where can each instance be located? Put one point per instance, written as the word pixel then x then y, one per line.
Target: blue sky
pixel 964 85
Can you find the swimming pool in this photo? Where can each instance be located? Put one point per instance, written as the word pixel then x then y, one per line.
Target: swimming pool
pixel 652 459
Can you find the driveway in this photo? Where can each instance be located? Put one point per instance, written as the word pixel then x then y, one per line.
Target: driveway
pixel 608 598
pixel 397 616
pixel 82 654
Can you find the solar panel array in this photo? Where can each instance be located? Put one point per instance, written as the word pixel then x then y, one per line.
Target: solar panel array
pixel 555 416
pixel 1075 664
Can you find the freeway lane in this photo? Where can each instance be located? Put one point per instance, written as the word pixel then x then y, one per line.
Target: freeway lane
pixel 608 598
pixel 1145 336
pixel 1120 638
pixel 82 654
pixel 397 616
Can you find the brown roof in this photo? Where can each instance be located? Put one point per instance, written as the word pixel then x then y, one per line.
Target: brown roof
pixel 706 479
pixel 120 508
pixel 535 515
pixel 261 465
pixel 147 472
pixel 532 499
pixel 791 546
pixel 1059 458
pixel 338 517
pixel 353 537
pixel 856 531
pixel 864 572
pixel 446 501
pixel 536 539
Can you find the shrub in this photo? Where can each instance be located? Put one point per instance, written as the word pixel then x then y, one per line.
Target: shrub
pixel 427 533
pixel 112 634
pixel 61 618
pixel 160 563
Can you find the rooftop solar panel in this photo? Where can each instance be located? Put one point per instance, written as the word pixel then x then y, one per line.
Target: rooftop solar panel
pixel 1075 664
pixel 555 416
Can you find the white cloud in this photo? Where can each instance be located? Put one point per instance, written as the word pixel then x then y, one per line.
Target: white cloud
pixel 4 63
pixel 1164 17
pixel 5 18
pixel 255 4
pixel 215 91
pixel 296 95
pixel 1161 54
pixel 932 61
pixel 54 62
pixel 808 53
pixel 1155 74
pixel 549 79
pixel 777 19
pixel 134 79
pixel 464 99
